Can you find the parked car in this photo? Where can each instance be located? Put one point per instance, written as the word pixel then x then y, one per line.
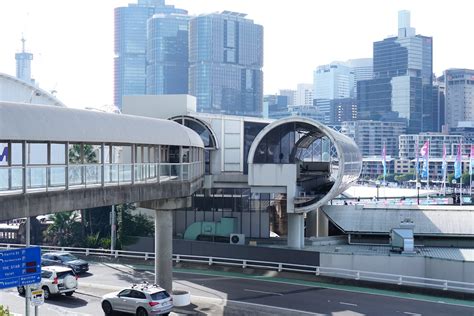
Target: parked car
pixel 55 280
pixel 139 299
pixel 67 259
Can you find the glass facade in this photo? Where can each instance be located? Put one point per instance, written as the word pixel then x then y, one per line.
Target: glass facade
pixel 402 85
pixel 130 46
pixel 167 54
pixel 225 64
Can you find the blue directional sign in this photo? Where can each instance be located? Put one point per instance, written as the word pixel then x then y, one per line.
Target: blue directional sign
pixel 19 267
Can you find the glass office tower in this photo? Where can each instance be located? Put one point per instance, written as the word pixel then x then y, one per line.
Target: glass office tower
pixel 131 44
pixel 225 63
pixel 402 86
pixel 167 54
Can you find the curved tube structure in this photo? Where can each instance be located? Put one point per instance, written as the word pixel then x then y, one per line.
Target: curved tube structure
pixel 306 147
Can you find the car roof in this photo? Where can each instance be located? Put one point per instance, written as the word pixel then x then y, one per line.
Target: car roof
pixel 148 288
pixel 56 268
pixel 59 253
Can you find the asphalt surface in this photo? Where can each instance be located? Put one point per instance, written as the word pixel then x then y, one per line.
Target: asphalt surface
pixel 237 294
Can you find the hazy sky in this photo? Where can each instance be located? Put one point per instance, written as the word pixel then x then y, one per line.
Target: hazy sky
pixel 72 41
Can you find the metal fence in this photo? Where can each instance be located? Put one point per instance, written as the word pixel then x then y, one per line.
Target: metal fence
pixel 446 285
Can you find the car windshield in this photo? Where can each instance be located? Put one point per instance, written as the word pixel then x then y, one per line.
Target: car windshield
pixel 159 295
pixel 67 257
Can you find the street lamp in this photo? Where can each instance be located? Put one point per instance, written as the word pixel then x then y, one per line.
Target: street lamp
pixel 377 185
pixel 418 186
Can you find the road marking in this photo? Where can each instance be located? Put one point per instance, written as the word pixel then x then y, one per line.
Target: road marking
pixel 350 304
pixel 263 292
pixel 410 313
pixel 345 288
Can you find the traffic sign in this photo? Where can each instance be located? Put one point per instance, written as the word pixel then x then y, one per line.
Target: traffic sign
pixel 37 297
pixel 19 267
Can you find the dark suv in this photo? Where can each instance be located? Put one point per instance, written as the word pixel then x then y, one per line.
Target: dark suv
pixel 66 259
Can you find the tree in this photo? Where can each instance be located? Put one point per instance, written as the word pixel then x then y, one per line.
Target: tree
pixel 130 225
pixel 388 178
pixel 66 230
pixel 404 177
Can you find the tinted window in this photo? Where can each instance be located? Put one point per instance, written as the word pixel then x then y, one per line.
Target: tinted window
pixel 138 294
pixel 46 274
pixel 62 275
pixel 159 295
pixel 125 293
pixel 68 257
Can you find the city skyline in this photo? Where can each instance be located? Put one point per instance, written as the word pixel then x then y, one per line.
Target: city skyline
pixel 76 58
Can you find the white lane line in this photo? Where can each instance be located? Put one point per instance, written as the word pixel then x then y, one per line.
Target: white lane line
pixel 350 304
pixel 412 314
pixel 263 292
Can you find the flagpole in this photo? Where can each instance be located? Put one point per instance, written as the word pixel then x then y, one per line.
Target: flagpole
pixel 428 166
pixel 460 179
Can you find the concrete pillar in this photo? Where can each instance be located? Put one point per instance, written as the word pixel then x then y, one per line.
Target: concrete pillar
pixel 323 224
pixel 164 249
pixel 311 224
pixel 295 230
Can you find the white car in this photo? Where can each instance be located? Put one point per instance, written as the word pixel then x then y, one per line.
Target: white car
pixel 55 280
pixel 139 299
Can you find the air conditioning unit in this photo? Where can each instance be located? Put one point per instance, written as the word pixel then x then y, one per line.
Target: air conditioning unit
pixel 237 239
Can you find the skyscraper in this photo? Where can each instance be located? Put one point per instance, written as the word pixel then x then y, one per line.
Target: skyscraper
pixel 402 84
pixel 332 81
pixel 459 99
pixel 167 54
pixel 131 45
pixel 225 63
pixel 304 94
pixel 23 63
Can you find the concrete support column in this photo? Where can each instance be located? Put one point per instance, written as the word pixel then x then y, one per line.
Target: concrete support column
pixel 295 230
pixel 311 224
pixel 323 224
pixel 164 249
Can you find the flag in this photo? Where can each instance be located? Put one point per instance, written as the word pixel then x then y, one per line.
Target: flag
pixel 471 160
pixel 424 152
pixel 384 160
pixel 457 164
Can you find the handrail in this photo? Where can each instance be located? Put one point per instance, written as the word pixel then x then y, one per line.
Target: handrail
pixel 58 177
pixel 446 285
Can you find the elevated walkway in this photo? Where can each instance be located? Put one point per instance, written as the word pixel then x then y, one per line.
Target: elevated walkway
pixel 56 159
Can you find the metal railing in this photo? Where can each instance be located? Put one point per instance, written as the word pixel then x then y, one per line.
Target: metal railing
pixel 446 285
pixel 19 179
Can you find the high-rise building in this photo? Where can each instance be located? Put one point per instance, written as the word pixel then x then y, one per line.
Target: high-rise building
pixel 371 136
pixel 332 81
pixel 167 54
pixel 439 108
pixel 23 63
pixel 459 96
pixel 225 63
pixel 290 95
pixel 304 94
pixel 363 70
pixel 130 46
pixel 402 84
pixel 343 110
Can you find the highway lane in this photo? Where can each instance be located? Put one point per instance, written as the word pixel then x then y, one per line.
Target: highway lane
pixel 227 293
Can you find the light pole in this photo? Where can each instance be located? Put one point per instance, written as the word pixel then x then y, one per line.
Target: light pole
pixel 418 186
pixel 377 185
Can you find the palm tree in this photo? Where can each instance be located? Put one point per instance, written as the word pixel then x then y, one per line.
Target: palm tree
pixel 65 230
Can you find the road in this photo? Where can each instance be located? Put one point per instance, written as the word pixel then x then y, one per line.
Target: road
pixel 219 293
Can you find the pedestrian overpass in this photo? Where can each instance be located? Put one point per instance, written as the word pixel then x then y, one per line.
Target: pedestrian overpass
pixel 56 159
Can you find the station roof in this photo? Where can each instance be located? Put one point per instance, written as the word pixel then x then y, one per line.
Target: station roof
pixel 439 220
pixel 43 123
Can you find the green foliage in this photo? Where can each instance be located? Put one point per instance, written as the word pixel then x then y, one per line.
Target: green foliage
pixel 404 177
pixel 465 179
pixel 388 178
pixel 97 221
pixel 82 154
pixel 66 230
pixel 132 225
pixel 4 311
